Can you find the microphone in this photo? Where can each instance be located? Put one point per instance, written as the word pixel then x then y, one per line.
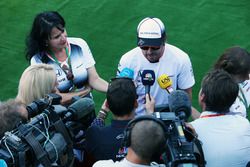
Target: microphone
pixel 3 163
pixel 80 109
pixel 180 104
pixel 126 72
pixel 148 79
pixel 165 83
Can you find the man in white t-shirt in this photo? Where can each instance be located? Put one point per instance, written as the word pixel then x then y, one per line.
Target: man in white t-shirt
pixel 154 54
pixel 225 137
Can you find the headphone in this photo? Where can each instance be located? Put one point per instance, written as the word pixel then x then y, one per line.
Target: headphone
pixel 131 124
pixel 128 130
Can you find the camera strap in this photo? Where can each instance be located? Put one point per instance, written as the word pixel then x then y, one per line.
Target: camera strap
pixel 21 157
pixel 36 146
pixel 198 150
pixel 60 127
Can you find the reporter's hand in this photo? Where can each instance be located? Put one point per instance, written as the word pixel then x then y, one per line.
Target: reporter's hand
pixel 87 89
pixel 191 128
pixel 67 97
pixel 195 113
pixel 104 106
pixel 150 104
pixel 104 111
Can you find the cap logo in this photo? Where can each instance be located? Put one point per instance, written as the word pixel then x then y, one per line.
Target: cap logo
pixel 149 33
pixel 141 42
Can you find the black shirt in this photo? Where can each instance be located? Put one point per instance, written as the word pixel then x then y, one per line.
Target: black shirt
pixel 105 143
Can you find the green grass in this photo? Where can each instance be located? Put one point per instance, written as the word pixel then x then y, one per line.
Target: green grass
pixel 202 28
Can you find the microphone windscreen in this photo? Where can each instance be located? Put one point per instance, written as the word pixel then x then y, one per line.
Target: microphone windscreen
pixel 82 108
pixel 60 109
pixel 164 81
pixel 126 72
pixel 180 104
pixel 148 77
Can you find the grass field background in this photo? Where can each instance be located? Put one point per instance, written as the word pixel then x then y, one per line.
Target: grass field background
pixel 202 28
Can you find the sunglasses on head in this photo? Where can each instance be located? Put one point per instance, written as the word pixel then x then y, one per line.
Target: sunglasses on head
pixel 116 78
pixel 152 47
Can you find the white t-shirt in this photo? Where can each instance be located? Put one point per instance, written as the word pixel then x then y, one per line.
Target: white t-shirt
pixel 225 139
pixel 242 102
pixel 81 59
pixel 174 62
pixel 123 163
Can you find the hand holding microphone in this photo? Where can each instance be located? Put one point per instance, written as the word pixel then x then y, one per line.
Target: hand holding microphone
pixel 165 83
pixel 150 104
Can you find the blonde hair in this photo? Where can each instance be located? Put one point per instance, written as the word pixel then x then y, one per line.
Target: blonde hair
pixel 36 81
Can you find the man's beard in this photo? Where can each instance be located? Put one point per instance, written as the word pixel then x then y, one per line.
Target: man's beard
pixel 153 60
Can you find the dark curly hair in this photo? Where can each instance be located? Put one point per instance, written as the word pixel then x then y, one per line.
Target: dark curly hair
pixel 42 26
pixel 235 61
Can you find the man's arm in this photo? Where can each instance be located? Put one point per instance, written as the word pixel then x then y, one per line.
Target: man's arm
pixel 195 113
pixel 102 115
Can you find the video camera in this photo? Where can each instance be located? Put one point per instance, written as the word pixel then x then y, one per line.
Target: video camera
pixel 183 148
pixel 48 138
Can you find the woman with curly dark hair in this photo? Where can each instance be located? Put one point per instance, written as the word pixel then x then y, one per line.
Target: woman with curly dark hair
pixel 72 59
pixel 236 61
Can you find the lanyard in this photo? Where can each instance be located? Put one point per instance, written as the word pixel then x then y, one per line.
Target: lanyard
pixel 68 59
pixel 243 98
pixel 211 115
pixel 67 70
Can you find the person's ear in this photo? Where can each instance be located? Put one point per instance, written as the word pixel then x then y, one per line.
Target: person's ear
pixel 106 104
pixel 202 97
